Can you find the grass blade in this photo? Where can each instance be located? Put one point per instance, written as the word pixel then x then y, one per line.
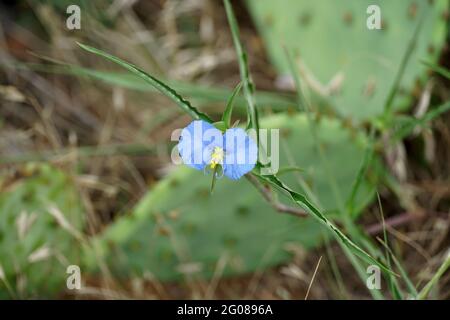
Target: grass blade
pixel 82 152
pixel 252 113
pixel 201 93
pixel 402 68
pixel 438 69
pixel 411 288
pixel 226 117
pixel 348 246
pixel 368 155
pixel 288 169
pixel 393 285
pixel 442 269
pixel 163 88
pixel 342 238
pixel 361 271
pixel 409 124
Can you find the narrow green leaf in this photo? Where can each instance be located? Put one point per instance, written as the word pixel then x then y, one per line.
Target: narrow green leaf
pixel 252 113
pixel 220 125
pixel 163 88
pixel 287 169
pixel 439 273
pixel 360 270
pixel 226 117
pixel 411 288
pixel 82 152
pixel 409 124
pixel 438 69
pixel 202 93
pixel 407 55
pixel 214 178
pixel 393 284
pixel 368 155
pixel 342 238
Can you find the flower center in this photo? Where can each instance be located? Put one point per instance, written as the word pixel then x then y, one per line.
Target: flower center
pixel 216 157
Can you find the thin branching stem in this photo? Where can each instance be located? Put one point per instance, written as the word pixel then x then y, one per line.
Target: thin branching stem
pixel 268 196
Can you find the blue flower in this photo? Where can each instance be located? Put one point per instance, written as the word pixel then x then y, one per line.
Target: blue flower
pixel 203 147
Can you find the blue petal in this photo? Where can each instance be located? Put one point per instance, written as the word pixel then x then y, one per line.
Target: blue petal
pixel 241 153
pixel 196 143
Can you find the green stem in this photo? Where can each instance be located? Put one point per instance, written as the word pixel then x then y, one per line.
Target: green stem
pixel 426 290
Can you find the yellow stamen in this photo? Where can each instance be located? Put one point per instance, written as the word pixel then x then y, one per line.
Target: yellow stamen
pixel 216 157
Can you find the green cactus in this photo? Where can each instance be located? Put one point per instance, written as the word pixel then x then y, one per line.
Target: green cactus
pixel 179 223
pixel 333 42
pixel 35 249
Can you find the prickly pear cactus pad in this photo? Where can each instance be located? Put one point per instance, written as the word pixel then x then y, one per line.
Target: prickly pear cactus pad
pixel 34 247
pixel 340 58
pixel 179 227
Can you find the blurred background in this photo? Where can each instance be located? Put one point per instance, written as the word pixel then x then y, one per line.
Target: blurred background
pixel 86 176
